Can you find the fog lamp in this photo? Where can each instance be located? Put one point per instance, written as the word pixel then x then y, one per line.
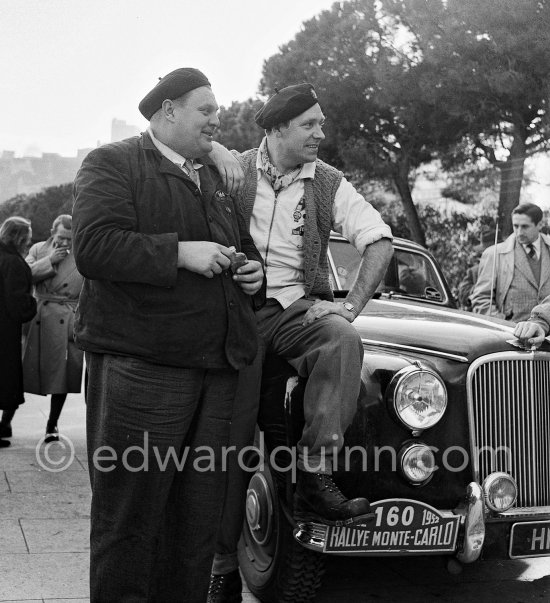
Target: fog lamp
pixel 500 491
pixel 417 463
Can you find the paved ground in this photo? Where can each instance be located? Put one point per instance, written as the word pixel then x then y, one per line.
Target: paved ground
pixel 44 516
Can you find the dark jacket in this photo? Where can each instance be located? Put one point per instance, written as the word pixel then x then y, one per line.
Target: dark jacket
pixel 132 206
pixel 17 305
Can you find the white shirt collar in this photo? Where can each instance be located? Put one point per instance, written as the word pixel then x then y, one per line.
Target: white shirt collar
pixel 169 153
pixel 307 171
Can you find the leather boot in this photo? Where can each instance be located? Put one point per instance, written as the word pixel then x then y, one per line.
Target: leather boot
pixel 318 497
pixel 225 588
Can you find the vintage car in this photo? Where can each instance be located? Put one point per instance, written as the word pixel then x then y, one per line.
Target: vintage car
pixel 450 443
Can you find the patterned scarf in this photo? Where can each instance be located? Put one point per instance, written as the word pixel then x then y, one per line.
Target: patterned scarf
pixel 278 181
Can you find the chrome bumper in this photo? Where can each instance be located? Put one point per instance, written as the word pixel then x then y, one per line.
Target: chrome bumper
pixel 311 536
pixel 477 527
pixel 471 516
pixel 474 525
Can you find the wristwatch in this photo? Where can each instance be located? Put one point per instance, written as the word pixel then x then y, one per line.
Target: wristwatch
pixel 350 308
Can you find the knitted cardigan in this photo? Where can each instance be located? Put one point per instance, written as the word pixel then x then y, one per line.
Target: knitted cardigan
pixel 319 194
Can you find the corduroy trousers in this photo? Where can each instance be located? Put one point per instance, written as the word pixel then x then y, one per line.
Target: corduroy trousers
pixel 155 444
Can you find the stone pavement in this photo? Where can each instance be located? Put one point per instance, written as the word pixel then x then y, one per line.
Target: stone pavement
pixel 44 522
pixel 45 508
pixel 44 514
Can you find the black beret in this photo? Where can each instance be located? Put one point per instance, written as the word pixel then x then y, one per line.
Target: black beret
pixel 286 104
pixel 171 86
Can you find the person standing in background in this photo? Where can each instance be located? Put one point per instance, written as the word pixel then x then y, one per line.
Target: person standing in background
pixel 17 306
pixel 52 364
pixel 518 278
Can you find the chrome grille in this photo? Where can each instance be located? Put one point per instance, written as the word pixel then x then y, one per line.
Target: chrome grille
pixel 509 413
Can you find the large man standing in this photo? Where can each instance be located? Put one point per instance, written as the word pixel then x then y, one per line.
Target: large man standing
pixel 291 201
pixel 52 364
pixel 165 328
pixel 511 284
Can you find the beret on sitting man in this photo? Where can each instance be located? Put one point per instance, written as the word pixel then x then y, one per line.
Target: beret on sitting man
pixel 171 86
pixel 285 105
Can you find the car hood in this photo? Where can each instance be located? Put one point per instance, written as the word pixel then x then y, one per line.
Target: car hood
pixel 434 329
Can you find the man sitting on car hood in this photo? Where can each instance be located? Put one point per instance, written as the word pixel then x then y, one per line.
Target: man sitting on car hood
pixel 291 201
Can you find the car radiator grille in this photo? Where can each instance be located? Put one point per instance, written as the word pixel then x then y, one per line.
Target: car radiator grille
pixel 509 414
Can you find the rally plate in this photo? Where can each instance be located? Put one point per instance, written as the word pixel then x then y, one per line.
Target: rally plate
pixel 530 539
pixel 399 526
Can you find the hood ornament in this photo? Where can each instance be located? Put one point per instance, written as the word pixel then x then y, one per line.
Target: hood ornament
pixel 518 344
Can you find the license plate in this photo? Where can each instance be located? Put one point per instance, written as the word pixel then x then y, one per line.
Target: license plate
pixel 399 526
pixel 530 539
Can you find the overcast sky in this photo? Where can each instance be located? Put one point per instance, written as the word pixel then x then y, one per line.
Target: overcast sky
pixel 68 67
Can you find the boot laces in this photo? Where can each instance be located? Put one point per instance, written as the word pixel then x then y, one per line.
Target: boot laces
pixel 216 584
pixel 328 484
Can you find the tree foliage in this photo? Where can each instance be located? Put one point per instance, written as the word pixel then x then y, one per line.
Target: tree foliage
pixel 376 91
pixel 41 208
pixel 494 56
pixel 450 236
pixel 404 81
pixel 238 130
pixel 471 184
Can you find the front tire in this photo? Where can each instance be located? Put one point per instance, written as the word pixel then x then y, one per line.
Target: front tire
pixel 276 568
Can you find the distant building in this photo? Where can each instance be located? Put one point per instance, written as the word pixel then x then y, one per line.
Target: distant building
pixel 121 130
pixel 27 175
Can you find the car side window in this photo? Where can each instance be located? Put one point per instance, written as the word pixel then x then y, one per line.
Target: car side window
pixel 410 274
pixel 345 264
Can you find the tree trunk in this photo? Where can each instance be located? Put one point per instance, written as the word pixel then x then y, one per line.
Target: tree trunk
pixel 401 181
pixel 511 177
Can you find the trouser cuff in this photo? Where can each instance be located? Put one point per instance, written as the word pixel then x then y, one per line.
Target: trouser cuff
pixel 314 464
pixel 224 563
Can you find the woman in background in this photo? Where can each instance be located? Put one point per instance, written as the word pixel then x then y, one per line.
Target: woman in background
pixel 17 305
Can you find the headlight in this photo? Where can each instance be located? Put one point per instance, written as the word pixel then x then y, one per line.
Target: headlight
pixel 500 491
pixel 417 462
pixel 418 398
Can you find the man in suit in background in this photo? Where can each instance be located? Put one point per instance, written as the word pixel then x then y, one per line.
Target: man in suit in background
pixel 510 286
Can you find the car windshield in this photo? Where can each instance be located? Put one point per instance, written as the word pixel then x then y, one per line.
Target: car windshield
pixel 410 273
